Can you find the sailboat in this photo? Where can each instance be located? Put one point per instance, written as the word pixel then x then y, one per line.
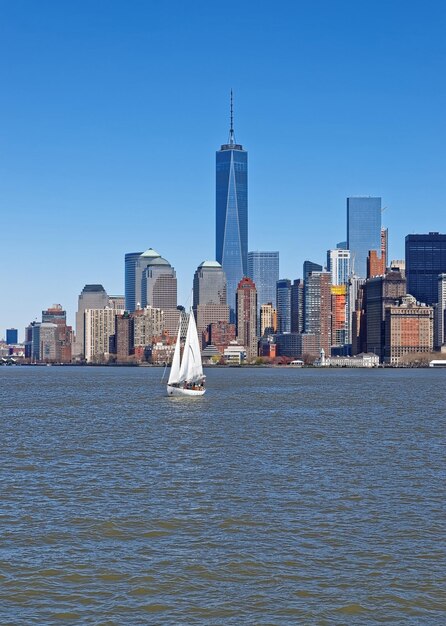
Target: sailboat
pixel 186 374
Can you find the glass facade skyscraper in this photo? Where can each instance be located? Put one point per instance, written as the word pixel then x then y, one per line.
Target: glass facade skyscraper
pixel 263 268
pixel 283 287
pixel 425 260
pixel 231 227
pixel 363 231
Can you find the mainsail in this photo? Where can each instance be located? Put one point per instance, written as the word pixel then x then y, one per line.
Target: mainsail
pixel 174 375
pixel 191 369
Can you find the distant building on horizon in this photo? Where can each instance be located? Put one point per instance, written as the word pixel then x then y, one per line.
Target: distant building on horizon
pixel 425 261
pixel 231 224
pixel 12 336
pixel 209 296
pixel 363 231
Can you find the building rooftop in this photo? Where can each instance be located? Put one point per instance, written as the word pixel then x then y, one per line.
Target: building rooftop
pixel 210 264
pixel 150 252
pixel 93 288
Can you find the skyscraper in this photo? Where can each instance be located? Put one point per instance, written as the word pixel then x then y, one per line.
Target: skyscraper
pixel 425 260
pixel 283 300
pixel 263 268
pixel 440 313
pixel 209 295
pixel 317 305
pixel 11 336
pixel 91 297
pixel 363 231
pixel 131 259
pixel 338 264
pixel 309 266
pixel 231 224
pixel 246 299
pixel 297 306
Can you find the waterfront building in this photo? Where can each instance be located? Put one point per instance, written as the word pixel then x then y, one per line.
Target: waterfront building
pixel 131 260
pixel 100 327
pixel 263 269
pixel 297 345
pixel 365 359
pixel 124 332
pixel 355 339
pixel 56 315
pixel 268 319
pixel 338 264
pixel 235 353
pixel 317 306
pixel 209 295
pixel 408 330
pixel 231 224
pixel 283 300
pixel 363 231
pixel 91 297
pixel 246 300
pixel 309 267
pixel 43 339
pixel 440 314
pixel 297 306
pixel 11 336
pixel 425 260
pixel 221 335
pixel 379 293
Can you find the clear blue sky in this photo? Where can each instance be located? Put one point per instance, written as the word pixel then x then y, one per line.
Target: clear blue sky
pixel 111 113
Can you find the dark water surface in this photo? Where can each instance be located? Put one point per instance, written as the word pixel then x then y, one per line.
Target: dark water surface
pixel 280 497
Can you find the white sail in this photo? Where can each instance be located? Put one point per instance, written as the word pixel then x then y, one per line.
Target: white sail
pixel 174 375
pixel 191 368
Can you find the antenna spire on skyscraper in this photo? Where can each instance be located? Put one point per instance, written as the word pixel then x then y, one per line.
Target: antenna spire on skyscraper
pixel 231 129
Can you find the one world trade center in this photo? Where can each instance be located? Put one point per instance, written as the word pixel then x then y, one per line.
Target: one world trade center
pixel 231 233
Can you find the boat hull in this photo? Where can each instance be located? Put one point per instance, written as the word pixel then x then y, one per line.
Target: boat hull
pixel 178 392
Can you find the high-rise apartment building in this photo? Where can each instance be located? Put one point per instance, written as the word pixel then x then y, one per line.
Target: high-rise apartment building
pixel 231 225
pixel 297 306
pixel 408 330
pixel 263 269
pixel 91 297
pixel 64 334
pixel 283 300
pixel 100 326
pixel 246 300
pixel 148 324
pixel 317 304
pixel 124 336
pixel 339 316
pixel 338 264
pixel 363 231
pixel 425 260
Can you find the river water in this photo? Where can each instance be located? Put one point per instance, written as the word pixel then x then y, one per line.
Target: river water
pixel 281 497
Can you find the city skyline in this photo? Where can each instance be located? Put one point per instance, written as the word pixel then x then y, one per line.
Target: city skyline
pixel 89 160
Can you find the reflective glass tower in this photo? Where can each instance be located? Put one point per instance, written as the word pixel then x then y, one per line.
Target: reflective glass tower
pixel 231 224
pixel 363 231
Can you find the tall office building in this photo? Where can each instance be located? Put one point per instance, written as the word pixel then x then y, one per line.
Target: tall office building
pixel 338 264
pixel 297 306
pixel 309 267
pixel 131 260
pixel 159 285
pixel 408 331
pixel 11 336
pixel 363 231
pixel 283 299
pixel 268 319
pixel 91 297
pixel 263 269
pixel 246 300
pixel 231 224
pixel 317 305
pixel 209 295
pixel 425 260
pixel 64 334
pixel 379 293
